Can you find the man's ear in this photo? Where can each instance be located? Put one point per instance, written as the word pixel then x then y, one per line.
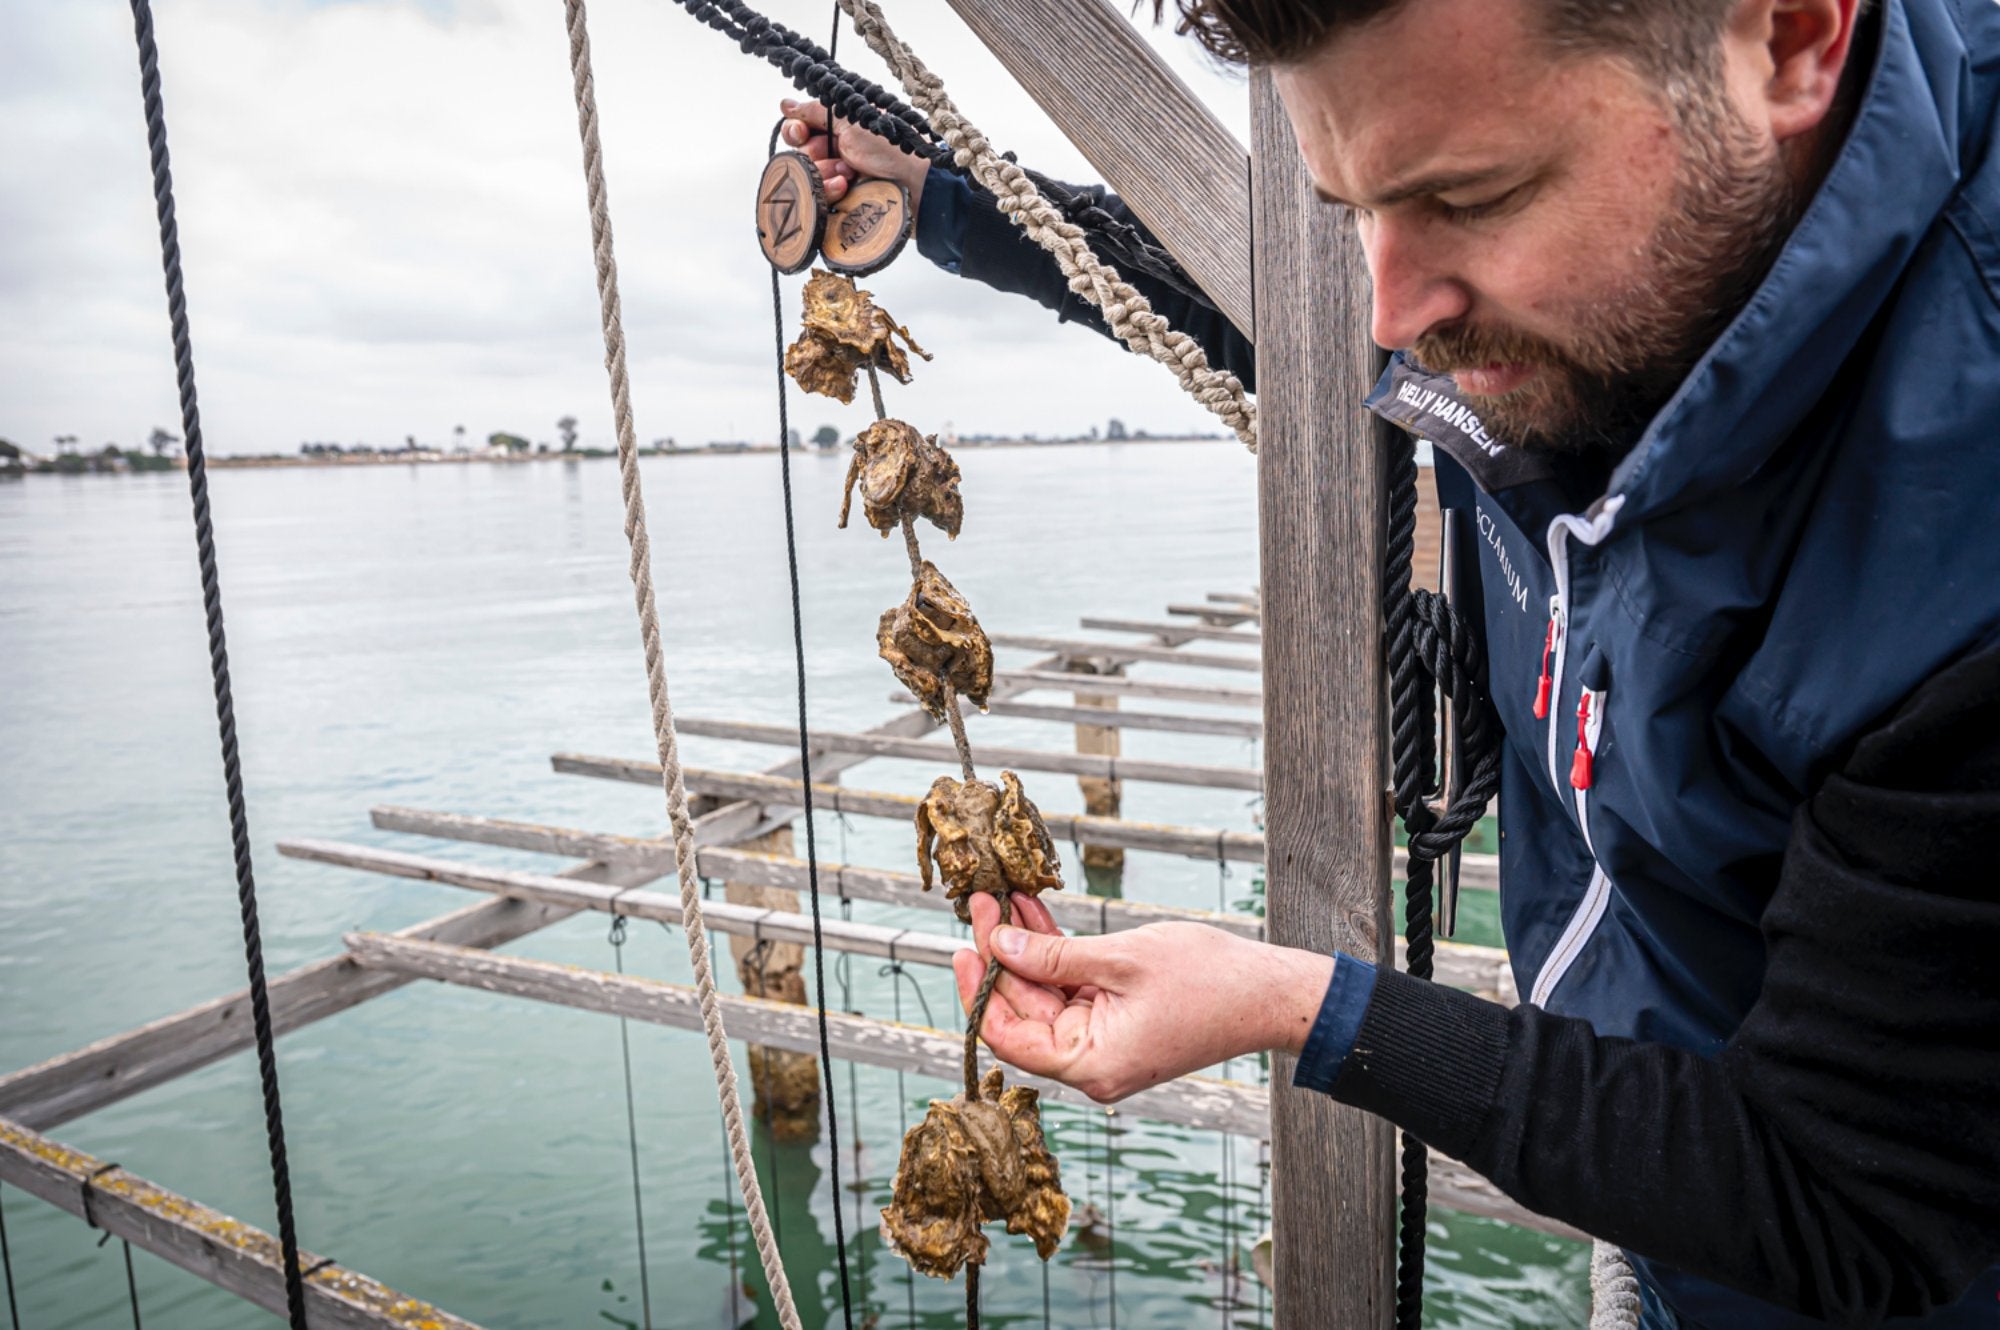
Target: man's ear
pixel 1795 51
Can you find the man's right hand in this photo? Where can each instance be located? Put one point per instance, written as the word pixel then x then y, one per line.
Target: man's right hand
pixel 860 156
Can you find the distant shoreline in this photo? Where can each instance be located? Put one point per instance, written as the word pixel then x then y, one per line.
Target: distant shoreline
pixel 279 461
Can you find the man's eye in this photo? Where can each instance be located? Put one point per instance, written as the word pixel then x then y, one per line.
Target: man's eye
pixel 1473 212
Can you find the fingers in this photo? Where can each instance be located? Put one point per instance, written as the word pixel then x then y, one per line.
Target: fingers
pixel 1029 912
pixel 812 114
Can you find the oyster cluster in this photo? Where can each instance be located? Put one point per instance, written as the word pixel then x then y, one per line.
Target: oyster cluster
pixel 903 474
pixel 935 646
pixel 972 1162
pixel 986 838
pixel 844 333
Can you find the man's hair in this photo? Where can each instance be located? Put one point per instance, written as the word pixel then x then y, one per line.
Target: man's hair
pixel 1665 39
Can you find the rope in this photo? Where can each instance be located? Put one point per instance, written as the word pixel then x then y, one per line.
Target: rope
pixel 218 652
pixel 7 1270
pixel 1614 1290
pixel 1428 647
pixel 1129 314
pixel 617 940
pixel 131 1284
pixel 656 677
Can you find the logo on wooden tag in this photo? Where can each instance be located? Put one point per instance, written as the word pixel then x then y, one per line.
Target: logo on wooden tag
pixel 791 212
pixel 867 228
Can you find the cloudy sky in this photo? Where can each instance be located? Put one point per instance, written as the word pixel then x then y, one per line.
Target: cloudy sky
pixel 384 231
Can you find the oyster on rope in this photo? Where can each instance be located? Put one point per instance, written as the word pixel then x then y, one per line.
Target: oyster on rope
pixel 844 332
pixel 984 838
pixel 971 1162
pixel 903 473
pixel 931 640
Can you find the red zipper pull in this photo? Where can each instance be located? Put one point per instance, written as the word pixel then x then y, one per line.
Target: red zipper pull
pixel 1542 684
pixel 1579 765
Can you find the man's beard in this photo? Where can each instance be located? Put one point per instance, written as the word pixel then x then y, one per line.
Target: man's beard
pixel 1734 206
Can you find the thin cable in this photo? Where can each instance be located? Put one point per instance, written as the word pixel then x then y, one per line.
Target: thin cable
pixel 673 783
pixel 218 653
pixel 632 1130
pixel 1111 1219
pixel 131 1284
pixel 805 786
pixel 903 1110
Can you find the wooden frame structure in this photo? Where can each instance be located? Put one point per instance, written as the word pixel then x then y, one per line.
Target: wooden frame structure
pixel 1326 848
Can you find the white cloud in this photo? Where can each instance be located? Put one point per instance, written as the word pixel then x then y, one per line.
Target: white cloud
pixel 384 231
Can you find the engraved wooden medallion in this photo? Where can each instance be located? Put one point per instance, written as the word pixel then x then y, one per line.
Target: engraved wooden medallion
pixel 791 212
pixel 867 228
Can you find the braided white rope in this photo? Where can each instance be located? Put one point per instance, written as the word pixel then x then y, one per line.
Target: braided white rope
pixel 656 675
pixel 1614 1290
pixel 1129 314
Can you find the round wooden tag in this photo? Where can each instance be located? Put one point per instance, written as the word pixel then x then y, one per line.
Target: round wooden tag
pixel 867 228
pixel 791 211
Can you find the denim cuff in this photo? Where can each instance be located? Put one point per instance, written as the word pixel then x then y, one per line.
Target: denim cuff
pixel 1337 1025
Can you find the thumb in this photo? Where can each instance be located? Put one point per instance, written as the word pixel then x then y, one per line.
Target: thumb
pixel 1066 962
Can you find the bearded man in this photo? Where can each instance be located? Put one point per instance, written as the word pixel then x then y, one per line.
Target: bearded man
pixel 1699 303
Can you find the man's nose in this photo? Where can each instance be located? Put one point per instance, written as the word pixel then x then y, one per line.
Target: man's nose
pixel 1415 290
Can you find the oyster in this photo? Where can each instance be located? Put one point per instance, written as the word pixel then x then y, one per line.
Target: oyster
pixel 971 1162
pixel 903 473
pixel 845 331
pixel 932 641
pixel 988 838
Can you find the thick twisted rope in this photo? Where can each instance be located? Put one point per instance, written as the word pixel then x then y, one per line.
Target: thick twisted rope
pixel 1614 1290
pixel 218 655
pixel 656 675
pixel 1129 314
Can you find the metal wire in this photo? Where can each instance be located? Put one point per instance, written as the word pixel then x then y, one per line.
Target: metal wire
pixel 7 1269
pixel 617 939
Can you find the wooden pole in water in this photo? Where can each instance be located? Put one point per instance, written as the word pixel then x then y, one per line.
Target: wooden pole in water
pixel 1319 489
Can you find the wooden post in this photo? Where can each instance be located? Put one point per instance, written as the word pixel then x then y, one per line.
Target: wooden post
pixel 786 1084
pixel 1102 795
pixel 1319 488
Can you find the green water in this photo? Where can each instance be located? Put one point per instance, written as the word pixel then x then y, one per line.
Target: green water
pixel 429 636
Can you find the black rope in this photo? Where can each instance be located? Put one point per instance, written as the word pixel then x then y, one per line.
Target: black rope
pixel 617 940
pixel 805 786
pixel 895 967
pixel 1111 1220
pixel 131 1285
pixel 7 1269
pixel 1429 648
pixel 218 653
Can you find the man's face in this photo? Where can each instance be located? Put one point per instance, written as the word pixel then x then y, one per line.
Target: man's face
pixel 1544 229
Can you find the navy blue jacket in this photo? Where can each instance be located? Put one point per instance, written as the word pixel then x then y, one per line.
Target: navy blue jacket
pixel 1804 535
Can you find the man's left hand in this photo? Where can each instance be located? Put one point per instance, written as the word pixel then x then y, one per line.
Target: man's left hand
pixel 1113 1015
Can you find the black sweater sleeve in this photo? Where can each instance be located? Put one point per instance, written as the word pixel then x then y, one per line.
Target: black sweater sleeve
pixel 1841 1157
pixel 1000 254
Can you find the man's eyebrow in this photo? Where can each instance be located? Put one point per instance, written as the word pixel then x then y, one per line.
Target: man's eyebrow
pixel 1441 183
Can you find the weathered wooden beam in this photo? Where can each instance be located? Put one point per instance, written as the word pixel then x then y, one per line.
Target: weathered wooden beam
pixel 1225 726
pixel 1134 120
pixel 1484 970
pixel 1125 652
pixel 762 923
pixel 227 1253
pixel 924 750
pixel 1117 685
pixel 1171 631
pixel 1250 598
pixel 1195 1101
pixel 1319 505
pixel 1219 613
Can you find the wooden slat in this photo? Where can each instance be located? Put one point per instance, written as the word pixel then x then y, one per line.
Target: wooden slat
pixel 1484 970
pixel 1235 598
pixel 227 1253
pixel 1134 120
pixel 1072 649
pixel 930 750
pixel 1229 614
pixel 1194 1101
pixel 1119 686
pixel 1224 726
pixel 1171 631
pixel 1319 507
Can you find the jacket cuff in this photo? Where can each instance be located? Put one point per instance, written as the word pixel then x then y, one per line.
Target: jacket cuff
pixel 941 215
pixel 1338 1022
pixel 1428 1058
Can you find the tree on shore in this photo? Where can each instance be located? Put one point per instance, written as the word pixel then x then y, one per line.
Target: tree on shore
pixel 159 441
pixel 826 436
pixel 513 443
pixel 1115 430
pixel 65 444
pixel 458 437
pixel 567 428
